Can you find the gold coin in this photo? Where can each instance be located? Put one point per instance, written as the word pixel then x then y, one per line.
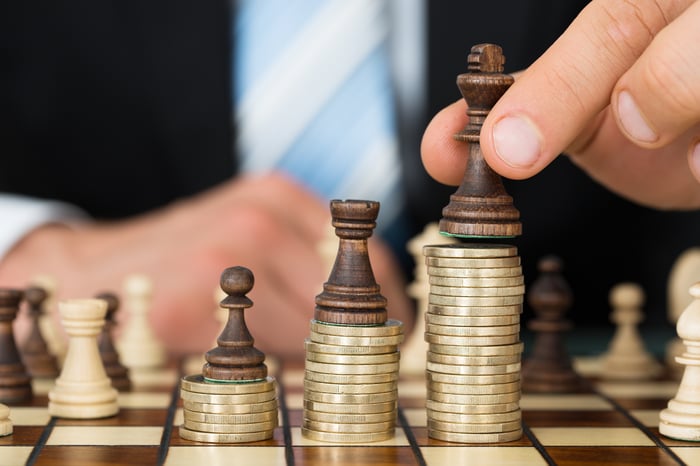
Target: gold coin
pixel 350 379
pixel 347 438
pixel 477 292
pixel 474 301
pixel 475 418
pixel 360 389
pixel 390 328
pixel 244 398
pixel 471 341
pixel 479 263
pixel 351 398
pixel 476 282
pixel 475 438
pixel 474 389
pixel 196 384
pixel 464 321
pixel 348 350
pixel 500 350
pixel 472 360
pixel 352 369
pixel 470 409
pixel 347 428
pixel 230 418
pixel 209 437
pixel 472 370
pixel 491 428
pixel 470 250
pixel 472 379
pixel 467 311
pixel 350 418
pixel 230 428
pixel 229 408
pixel 367 408
pixel 489 331
pixel 475 399
pixel 486 272
pixel 353 358
pixel 355 341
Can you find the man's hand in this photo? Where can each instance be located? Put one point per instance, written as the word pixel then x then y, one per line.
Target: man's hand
pixel 269 224
pixel 619 92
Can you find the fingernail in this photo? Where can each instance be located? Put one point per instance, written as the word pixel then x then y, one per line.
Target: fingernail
pixel 517 141
pixel 632 120
pixel 695 160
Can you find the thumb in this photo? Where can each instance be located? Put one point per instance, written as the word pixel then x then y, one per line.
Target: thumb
pixel 570 84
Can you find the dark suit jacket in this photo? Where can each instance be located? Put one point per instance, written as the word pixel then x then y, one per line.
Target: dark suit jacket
pixel 124 106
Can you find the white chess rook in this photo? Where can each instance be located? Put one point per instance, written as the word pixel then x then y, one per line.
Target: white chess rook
pixel 681 420
pixel 83 390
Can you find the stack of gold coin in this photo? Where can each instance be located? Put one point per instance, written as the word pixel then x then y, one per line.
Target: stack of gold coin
pixel 228 412
pixel 350 382
pixel 474 348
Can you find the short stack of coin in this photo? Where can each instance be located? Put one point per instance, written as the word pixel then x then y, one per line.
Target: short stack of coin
pixel 350 382
pixel 474 348
pixel 228 412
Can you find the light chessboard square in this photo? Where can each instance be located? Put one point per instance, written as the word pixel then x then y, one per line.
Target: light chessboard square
pixel 483 456
pixel 591 436
pixel 105 435
pixel 221 454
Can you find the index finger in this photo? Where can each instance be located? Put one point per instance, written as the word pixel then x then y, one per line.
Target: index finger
pixel 554 99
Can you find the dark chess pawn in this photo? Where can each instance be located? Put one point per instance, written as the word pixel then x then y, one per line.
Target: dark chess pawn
pixel 235 358
pixel 110 358
pixel 15 382
pixel 35 352
pixel 548 369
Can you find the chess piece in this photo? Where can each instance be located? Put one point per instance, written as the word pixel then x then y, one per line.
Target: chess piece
pixel 118 374
pixel 684 273
pixel 414 349
pixel 681 419
pixel 5 422
pixel 351 294
pixel 35 352
pixel 83 390
pixel 15 382
pixel 234 357
pixel 138 347
pixel 48 321
pixel 481 207
pixel 626 358
pixel 548 369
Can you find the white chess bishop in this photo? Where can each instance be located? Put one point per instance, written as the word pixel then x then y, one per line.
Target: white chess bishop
pixel 681 420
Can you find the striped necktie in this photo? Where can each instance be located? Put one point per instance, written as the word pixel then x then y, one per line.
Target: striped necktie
pixel 313 97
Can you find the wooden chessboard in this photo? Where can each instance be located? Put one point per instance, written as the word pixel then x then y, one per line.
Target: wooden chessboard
pixel 613 423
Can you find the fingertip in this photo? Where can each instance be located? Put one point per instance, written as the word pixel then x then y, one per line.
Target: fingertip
pixel 444 158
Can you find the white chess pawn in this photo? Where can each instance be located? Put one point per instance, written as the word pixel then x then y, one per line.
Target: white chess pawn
pixel 681 420
pixel 139 350
pixel 5 422
pixel 414 349
pixel 627 358
pixel 83 390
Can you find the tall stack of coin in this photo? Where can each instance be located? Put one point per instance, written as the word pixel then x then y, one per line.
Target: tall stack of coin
pixel 350 382
pixel 228 412
pixel 474 348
